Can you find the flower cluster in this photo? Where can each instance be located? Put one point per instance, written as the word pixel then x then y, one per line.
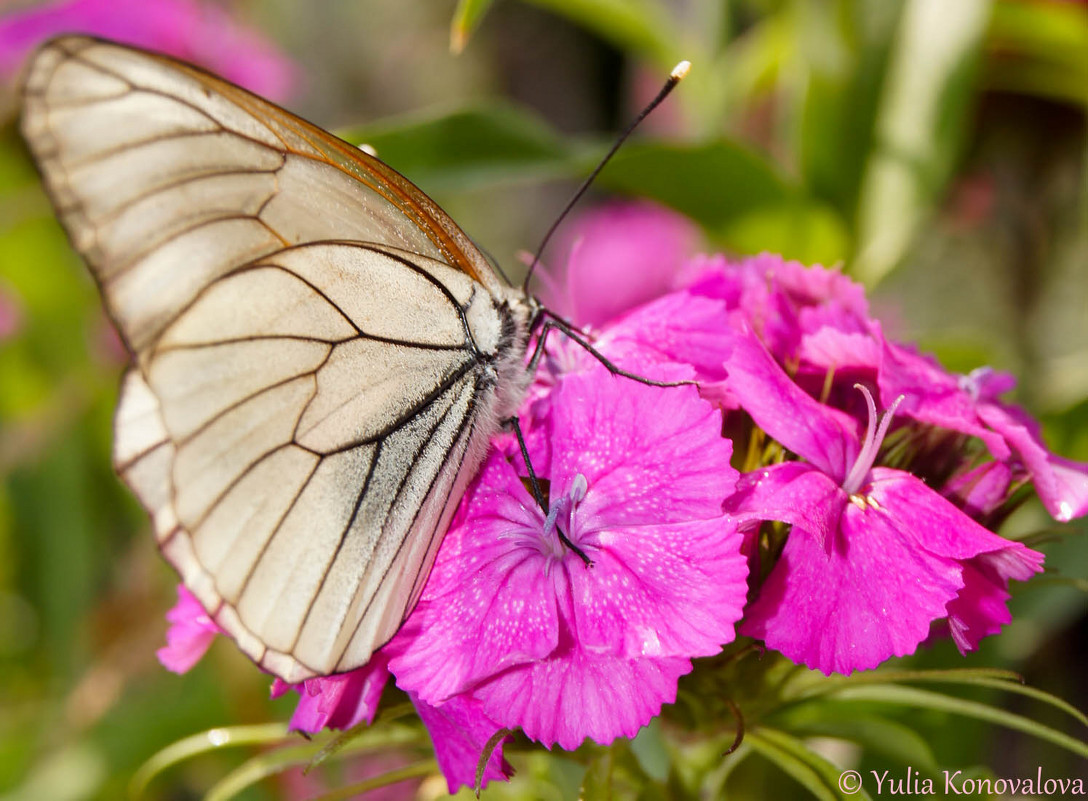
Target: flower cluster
pixel 806 482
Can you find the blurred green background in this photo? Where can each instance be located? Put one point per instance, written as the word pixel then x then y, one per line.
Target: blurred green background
pixel 935 148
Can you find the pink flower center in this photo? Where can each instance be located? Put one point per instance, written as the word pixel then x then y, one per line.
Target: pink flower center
pixel 562 514
pixel 874 438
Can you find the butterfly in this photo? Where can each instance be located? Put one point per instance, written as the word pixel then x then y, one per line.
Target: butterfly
pixel 319 355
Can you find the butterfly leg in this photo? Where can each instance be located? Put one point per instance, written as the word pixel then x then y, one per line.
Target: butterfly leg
pixel 579 338
pixel 534 485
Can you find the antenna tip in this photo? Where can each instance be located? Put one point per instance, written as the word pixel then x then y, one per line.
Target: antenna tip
pixel 680 70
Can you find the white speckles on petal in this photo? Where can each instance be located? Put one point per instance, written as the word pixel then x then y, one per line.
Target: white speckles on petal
pixel 651 644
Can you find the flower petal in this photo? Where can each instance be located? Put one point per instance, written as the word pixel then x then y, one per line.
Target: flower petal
pixel 460 730
pixel 834 350
pixel 782 300
pixel 820 434
pixel 979 610
pixel 791 492
pixel 981 490
pixel 577 695
pixel 678 328
pixel 488 604
pixel 932 395
pixel 669 590
pixel 190 633
pixel 621 255
pixel 1062 484
pixel 871 597
pixel 11 312
pixel 340 701
pixel 938 526
pixel 201 32
pixel 652 455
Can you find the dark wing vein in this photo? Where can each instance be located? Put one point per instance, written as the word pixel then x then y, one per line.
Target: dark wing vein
pixel 134 262
pixel 460 442
pixel 406 473
pixel 271 536
pixel 467 418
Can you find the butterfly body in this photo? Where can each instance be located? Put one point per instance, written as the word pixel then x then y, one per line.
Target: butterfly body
pixel 320 356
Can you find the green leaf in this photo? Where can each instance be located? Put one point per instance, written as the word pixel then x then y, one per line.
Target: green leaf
pixel 1040 49
pixel 739 197
pixel 872 732
pixel 807 231
pixel 492 743
pixel 924 106
pixel 812 771
pixel 847 58
pixel 638 26
pixel 427 767
pixel 913 697
pixel 1038 695
pixel 74 772
pixel 342 739
pixel 466 18
pixel 54 511
pixel 651 750
pixel 715 183
pixel 597 783
pixel 736 195
pixel 259 767
pixel 205 741
pixel 995 678
pixel 824 685
pixel 1061 581
pixel 279 760
pixel 468 147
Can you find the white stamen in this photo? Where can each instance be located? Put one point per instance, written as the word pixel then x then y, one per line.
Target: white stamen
pixel 578 488
pixel 874 438
pixel 551 520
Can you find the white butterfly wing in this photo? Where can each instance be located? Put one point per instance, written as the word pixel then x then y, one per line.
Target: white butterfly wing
pixel 154 164
pixel 320 355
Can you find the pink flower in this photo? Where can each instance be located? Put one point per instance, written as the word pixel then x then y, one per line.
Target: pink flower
pixel 190 633
pixel 817 322
pixel 874 556
pixel 980 609
pixel 194 30
pixel 340 701
pixel 621 255
pixel 782 301
pixel 971 404
pixel 460 729
pixel 812 318
pixel 981 491
pixel 515 619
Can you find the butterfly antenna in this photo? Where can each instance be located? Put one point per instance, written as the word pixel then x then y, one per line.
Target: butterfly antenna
pixel 677 74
